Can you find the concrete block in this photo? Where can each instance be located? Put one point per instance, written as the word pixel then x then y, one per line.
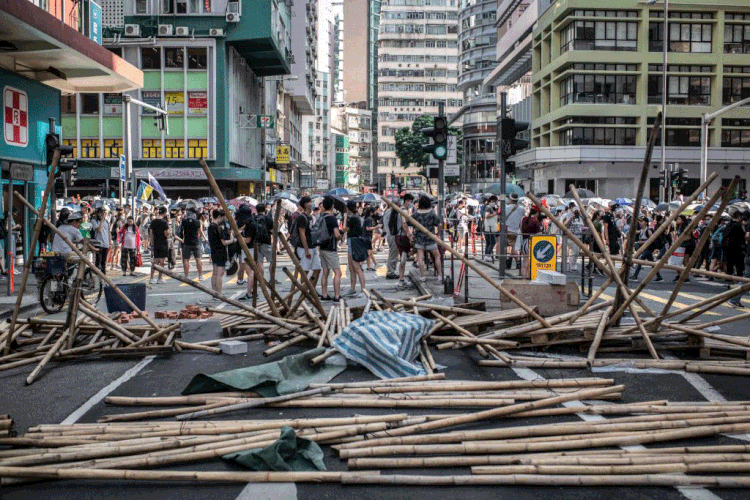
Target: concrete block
pixel 550 277
pixel 550 299
pixel 232 347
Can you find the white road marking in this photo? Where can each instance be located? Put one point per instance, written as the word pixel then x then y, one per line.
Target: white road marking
pixel 269 491
pixel 99 396
pixel 691 493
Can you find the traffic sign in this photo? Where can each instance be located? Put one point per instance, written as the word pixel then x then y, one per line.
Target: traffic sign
pixel 123 169
pixel 16 124
pixel 543 254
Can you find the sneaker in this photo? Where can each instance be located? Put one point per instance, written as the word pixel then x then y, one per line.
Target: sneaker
pixel 160 281
pixel 737 304
pixel 633 278
pixel 352 292
pixel 336 299
pixel 322 297
pixel 658 278
pixel 401 284
pixel 242 282
pixel 152 281
pixel 245 298
pixel 391 276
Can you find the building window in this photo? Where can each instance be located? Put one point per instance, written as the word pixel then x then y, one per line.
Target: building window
pixel 89 104
pixel 197 148
pixel 68 104
pixel 197 58
pixel 611 89
pixel 150 58
pixel 174 58
pixel 174 148
pixel 71 142
pixel 598 136
pixel 735 138
pixel 737 38
pixel 112 148
pixel 683 37
pixel 690 90
pixel 736 89
pixel 89 148
pixel 599 35
pixel 151 148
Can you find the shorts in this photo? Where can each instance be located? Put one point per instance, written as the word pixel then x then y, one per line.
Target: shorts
pixel 264 253
pixel 329 260
pixel 428 247
pixel 191 251
pixel 403 244
pixel 368 243
pixel 161 252
pixel 219 260
pixel 311 264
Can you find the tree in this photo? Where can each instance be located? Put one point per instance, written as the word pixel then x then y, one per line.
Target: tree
pixel 409 143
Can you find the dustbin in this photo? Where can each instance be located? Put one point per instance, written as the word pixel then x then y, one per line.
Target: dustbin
pixel 136 292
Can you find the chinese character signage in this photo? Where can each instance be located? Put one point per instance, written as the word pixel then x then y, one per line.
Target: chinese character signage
pixel 95 22
pixel 282 155
pixel 197 103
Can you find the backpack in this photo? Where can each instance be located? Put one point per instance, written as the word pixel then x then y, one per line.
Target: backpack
pixel 727 241
pixel 294 239
pixel 262 235
pixel 319 232
pixel 393 223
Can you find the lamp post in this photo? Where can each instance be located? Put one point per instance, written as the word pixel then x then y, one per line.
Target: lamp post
pixel 665 49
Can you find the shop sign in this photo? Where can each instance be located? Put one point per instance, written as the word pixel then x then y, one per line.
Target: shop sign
pixel 322 184
pixel 282 155
pixel 16 113
pixel 272 173
pixel 197 103
pixel 152 97
pixel 21 172
pixel 95 22
pixel 112 104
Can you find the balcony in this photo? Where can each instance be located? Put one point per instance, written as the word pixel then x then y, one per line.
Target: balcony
pixel 262 36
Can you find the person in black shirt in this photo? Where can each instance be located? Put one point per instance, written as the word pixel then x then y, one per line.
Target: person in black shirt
pixel 218 240
pixel 369 227
pixel 158 233
pixel 191 234
pixel 737 300
pixel 329 258
pixel 307 254
pixel 611 231
pixel 354 229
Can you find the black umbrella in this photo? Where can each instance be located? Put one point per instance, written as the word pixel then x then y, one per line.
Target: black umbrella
pixel 338 203
pixel 188 204
pixel 583 193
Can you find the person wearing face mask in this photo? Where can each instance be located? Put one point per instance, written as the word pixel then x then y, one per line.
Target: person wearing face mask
pixel 130 241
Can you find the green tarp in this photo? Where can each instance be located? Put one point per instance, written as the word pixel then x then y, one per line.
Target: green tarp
pixel 289 453
pixel 290 374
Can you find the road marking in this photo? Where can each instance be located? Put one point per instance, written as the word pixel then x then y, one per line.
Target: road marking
pixel 205 276
pixel 689 492
pixel 99 396
pixel 698 297
pixel 656 299
pixel 269 491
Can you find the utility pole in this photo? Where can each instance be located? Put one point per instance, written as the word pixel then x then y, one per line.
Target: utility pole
pixel 500 149
pixel 441 176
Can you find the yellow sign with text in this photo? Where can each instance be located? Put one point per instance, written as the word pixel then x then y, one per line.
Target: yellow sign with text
pixel 282 155
pixel 543 254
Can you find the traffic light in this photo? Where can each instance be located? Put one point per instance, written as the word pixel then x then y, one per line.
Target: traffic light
pixel 52 142
pixel 511 128
pixel 681 179
pixel 439 134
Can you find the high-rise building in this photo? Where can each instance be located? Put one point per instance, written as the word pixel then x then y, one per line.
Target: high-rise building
pixel 515 22
pixel 597 89
pixel 360 66
pixel 417 69
pixel 204 62
pixel 337 69
pixel 477 38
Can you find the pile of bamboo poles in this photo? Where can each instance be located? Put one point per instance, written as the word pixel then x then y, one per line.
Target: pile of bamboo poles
pixel 6 426
pixel 598 451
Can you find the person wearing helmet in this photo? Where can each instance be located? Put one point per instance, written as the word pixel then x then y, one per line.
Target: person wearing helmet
pixel 72 230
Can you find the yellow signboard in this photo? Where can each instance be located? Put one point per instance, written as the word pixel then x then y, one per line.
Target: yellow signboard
pixel 282 155
pixel 543 254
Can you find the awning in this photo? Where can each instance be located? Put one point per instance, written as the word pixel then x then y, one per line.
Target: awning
pixel 39 46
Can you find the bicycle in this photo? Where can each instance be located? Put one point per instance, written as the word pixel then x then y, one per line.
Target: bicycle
pixel 55 277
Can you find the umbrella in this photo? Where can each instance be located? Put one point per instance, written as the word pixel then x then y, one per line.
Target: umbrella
pixel 624 201
pixel 368 198
pixel 187 204
pixel 286 195
pixel 668 207
pixel 509 189
pixel 553 200
pixel 645 202
pixel 338 202
pixel 209 199
pixel 243 199
pixel 342 192
pixel 583 193
pixel 288 205
pixel 471 202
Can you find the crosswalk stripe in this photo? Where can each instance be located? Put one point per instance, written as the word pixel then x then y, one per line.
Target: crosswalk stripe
pixel 674 304
pixel 698 297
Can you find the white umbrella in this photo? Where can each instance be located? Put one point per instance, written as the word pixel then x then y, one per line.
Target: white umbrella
pixel 288 205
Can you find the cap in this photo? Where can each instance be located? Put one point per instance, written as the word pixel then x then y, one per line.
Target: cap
pixel 514 196
pixel 75 216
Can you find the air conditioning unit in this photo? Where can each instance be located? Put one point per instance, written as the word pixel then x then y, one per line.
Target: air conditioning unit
pixel 166 29
pixel 216 32
pixel 182 31
pixel 132 30
pixel 232 17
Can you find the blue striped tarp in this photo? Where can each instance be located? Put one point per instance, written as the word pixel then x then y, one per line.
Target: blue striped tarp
pixel 386 343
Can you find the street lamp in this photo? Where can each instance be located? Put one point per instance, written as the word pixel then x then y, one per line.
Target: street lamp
pixel 663 89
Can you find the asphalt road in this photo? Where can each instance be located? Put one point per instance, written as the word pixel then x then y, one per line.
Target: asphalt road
pixel 64 392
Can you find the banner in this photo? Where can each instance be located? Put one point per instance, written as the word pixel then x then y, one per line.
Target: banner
pixel 144 191
pixel 155 184
pixel 197 103
pixel 282 155
pixel 175 102
pixel 152 97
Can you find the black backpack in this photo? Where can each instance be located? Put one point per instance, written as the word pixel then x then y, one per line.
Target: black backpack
pixel 294 238
pixel 393 223
pixel 262 234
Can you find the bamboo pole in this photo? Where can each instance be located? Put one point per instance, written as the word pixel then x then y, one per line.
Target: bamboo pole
pixel 312 294
pixel 32 246
pixel 253 404
pixel 270 317
pixel 274 245
pixel 240 239
pixel 598 335
pixel 687 233
pixel 85 260
pixel 468 263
